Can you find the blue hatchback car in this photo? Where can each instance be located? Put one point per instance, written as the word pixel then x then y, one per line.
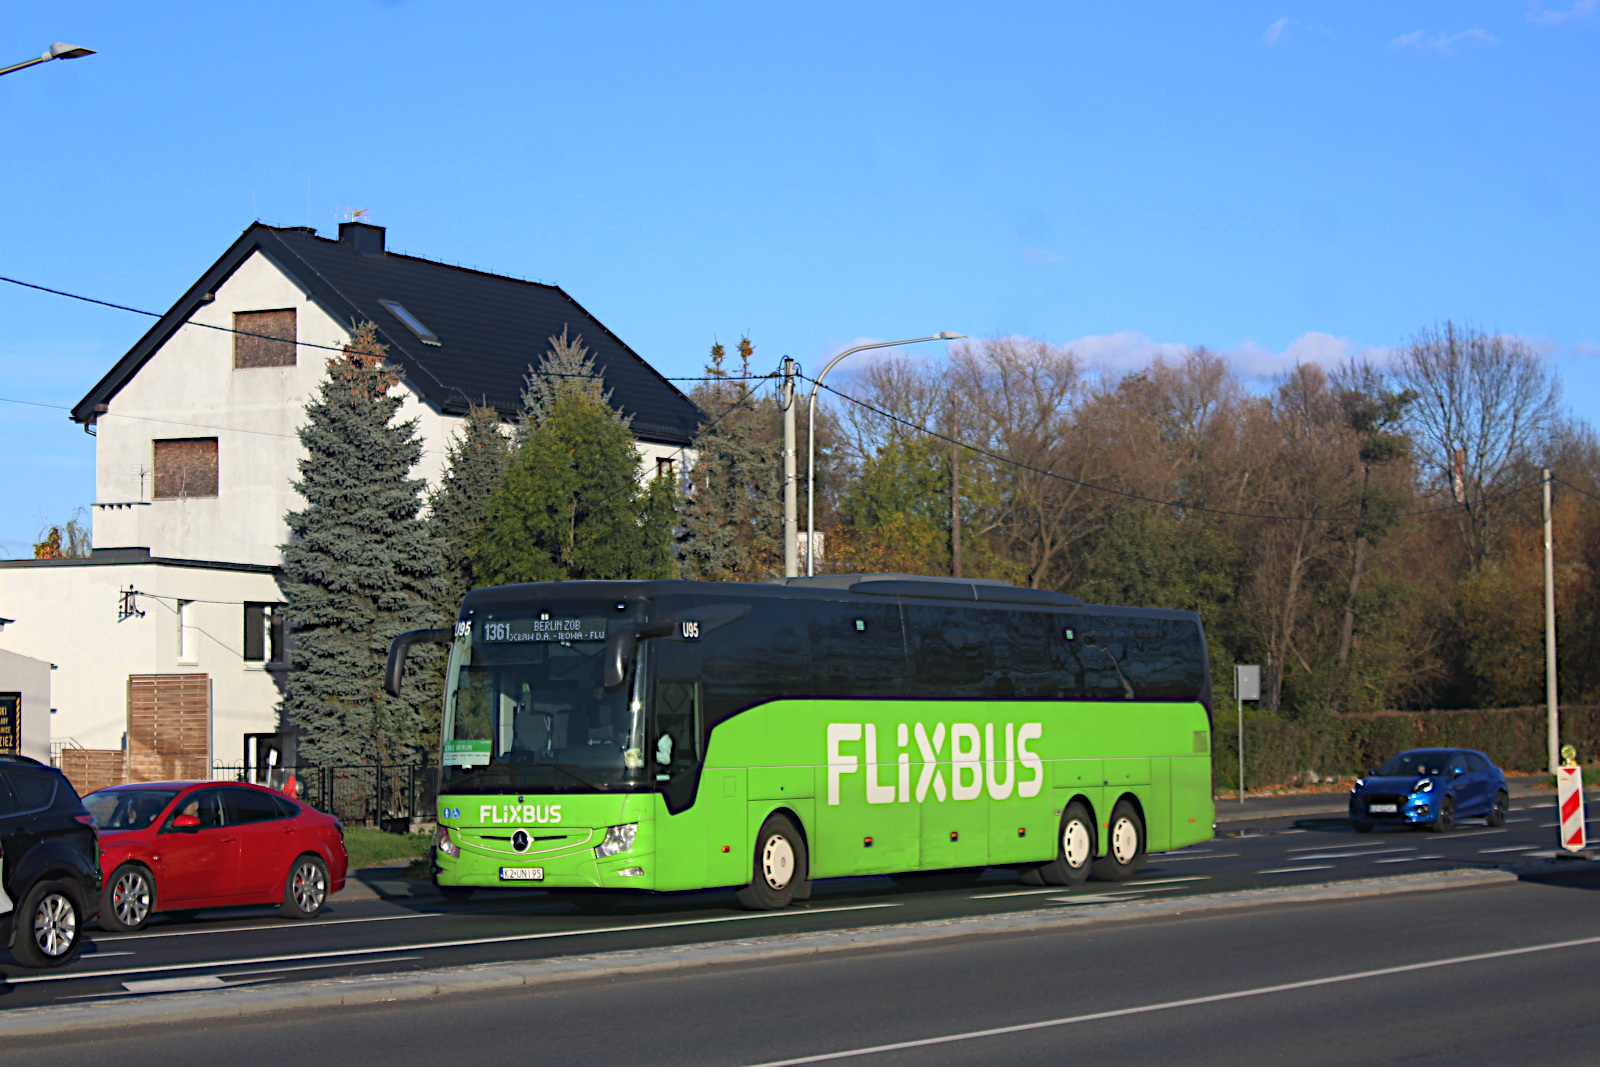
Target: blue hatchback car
pixel 1431 787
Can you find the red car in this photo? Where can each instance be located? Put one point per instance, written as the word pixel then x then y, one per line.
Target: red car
pixel 182 846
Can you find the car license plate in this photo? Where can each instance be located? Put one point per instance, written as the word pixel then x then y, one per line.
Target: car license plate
pixel 522 874
pixel 1380 809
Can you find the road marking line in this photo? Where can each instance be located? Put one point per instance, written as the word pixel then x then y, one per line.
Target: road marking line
pixel 1346 855
pixel 1297 870
pixel 1112 898
pixel 1477 833
pixel 265 926
pixel 1212 856
pixel 1328 848
pixel 1408 859
pixel 1215 998
pixel 1507 848
pixel 310 967
pixel 1062 889
pixel 67 976
pixel 1375 851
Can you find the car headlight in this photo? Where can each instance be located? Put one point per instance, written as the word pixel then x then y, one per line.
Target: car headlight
pixel 1424 786
pixel 446 846
pixel 1357 787
pixel 618 839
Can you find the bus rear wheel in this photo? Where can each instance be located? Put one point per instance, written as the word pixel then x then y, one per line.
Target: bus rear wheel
pixel 1074 848
pixel 1124 845
pixel 779 866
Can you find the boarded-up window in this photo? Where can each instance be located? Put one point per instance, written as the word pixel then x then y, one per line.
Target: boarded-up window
pixel 265 338
pixel 169 727
pixel 186 466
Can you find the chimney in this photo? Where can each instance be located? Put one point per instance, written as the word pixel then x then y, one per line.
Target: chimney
pixel 363 237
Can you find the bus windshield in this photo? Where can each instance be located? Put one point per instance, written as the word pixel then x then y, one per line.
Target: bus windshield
pixel 526 707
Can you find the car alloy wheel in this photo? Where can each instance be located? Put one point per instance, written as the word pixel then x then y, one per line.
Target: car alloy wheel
pixel 1077 847
pixel 309 888
pixel 130 898
pixel 55 925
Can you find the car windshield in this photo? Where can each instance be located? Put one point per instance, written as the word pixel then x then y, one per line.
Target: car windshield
pixel 1422 761
pixel 127 809
pixel 526 707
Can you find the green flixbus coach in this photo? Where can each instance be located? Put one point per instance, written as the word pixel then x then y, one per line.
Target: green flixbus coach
pixel 675 735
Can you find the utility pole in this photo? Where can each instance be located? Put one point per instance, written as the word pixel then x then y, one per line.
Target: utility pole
pixel 791 545
pixel 955 496
pixel 1552 712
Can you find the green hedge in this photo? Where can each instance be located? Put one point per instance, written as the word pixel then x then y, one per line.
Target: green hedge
pixel 1278 753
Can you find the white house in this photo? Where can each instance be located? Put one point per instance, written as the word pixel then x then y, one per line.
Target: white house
pixel 167 653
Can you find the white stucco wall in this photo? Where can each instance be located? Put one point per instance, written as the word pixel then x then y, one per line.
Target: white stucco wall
pixel 189 388
pixel 31 678
pixel 66 614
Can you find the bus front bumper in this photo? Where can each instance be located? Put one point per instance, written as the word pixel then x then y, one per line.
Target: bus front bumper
pixel 485 864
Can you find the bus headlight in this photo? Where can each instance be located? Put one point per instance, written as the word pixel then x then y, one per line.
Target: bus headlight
pixel 446 846
pixel 618 839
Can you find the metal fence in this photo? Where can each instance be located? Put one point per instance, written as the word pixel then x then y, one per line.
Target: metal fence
pixel 391 796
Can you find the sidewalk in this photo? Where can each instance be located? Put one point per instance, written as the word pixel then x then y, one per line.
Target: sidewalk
pixel 1253 808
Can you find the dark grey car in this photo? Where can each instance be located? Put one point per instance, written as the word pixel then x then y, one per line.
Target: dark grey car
pixel 51 863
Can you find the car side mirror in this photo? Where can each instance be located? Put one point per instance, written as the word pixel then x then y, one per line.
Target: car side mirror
pixel 186 823
pixel 1454 771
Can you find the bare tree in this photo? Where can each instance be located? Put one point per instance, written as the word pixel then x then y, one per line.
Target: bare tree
pixel 1483 404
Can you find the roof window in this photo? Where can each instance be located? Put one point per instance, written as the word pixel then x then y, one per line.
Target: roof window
pixel 412 323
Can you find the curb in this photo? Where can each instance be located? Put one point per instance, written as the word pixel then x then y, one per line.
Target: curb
pixel 247 1001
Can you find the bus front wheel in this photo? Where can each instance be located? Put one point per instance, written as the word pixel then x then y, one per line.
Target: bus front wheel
pixel 1124 845
pixel 1074 848
pixel 779 866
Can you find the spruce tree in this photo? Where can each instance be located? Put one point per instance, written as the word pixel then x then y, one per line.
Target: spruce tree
pixel 571 505
pixel 479 455
pixel 565 367
pixel 360 567
pixel 733 520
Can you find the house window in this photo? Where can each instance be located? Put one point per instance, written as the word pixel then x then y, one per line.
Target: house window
pixel 185 467
pixel 264 339
pixel 664 468
pixel 263 633
pixel 188 634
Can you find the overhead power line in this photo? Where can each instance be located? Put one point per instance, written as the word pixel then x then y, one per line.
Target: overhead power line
pixel 311 344
pixel 1182 506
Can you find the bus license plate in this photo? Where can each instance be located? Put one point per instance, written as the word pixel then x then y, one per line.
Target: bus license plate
pixel 1382 809
pixel 522 874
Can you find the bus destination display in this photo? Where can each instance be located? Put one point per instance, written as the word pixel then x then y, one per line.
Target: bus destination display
pixel 563 630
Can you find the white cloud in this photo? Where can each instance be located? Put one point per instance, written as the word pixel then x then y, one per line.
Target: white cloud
pixel 1274 32
pixel 1121 353
pixel 1580 9
pixel 1445 43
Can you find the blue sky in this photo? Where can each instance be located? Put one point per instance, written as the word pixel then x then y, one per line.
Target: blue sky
pixel 1274 180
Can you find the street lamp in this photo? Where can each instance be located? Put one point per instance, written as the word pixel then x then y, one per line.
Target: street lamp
pixel 56 51
pixel 811 437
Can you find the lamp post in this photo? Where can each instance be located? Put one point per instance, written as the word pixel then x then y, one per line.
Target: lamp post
pixel 811 437
pixel 55 51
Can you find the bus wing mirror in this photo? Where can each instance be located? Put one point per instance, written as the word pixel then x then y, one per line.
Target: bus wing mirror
pixel 395 669
pixel 622 642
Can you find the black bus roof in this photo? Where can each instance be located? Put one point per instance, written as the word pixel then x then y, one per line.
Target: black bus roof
pixel 822 587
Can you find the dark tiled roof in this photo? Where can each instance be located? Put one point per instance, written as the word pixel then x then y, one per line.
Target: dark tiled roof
pixel 489 327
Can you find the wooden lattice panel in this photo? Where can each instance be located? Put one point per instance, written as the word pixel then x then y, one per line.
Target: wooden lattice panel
pixel 169 727
pixel 89 769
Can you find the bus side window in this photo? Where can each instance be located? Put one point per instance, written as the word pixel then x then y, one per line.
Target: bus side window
pixel 677 731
